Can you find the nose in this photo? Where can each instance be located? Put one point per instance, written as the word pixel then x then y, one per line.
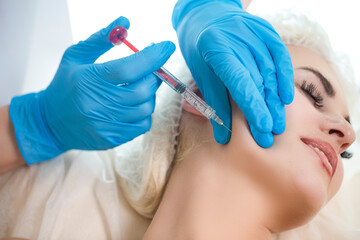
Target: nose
pixel 340 131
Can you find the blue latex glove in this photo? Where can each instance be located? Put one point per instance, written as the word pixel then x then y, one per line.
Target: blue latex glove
pixel 90 106
pixel 227 48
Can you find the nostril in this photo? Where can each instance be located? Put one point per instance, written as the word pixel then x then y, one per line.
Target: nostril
pixel 344 147
pixel 339 133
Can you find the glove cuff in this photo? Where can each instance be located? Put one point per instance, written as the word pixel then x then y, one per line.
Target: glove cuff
pixel 183 7
pixel 33 136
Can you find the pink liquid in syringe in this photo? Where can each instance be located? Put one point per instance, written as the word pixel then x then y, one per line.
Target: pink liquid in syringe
pixel 167 77
pixel 118 35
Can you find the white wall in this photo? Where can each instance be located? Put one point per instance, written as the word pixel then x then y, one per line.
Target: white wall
pixel 15 31
pixel 151 20
pixel 33 36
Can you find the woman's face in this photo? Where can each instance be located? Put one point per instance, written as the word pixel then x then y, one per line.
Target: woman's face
pixel 303 169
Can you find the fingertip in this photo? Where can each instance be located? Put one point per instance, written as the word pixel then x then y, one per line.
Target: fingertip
pixel 286 84
pixel 169 46
pixel 279 128
pixel 173 46
pixel 287 93
pixel 287 98
pixel 157 54
pixel 163 47
pixel 284 69
pixel 264 140
pixel 222 135
pixel 121 21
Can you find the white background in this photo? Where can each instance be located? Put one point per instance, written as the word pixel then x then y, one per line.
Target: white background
pixel 151 20
pixel 35 33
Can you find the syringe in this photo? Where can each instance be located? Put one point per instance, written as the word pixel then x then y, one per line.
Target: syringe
pixel 118 35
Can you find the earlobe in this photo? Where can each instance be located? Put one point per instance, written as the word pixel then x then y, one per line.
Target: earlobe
pixel 190 109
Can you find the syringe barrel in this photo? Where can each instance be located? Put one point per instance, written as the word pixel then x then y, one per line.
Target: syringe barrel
pixel 191 97
pixel 198 103
pixel 170 80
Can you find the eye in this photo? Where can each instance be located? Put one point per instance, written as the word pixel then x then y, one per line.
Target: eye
pixel 346 155
pixel 311 90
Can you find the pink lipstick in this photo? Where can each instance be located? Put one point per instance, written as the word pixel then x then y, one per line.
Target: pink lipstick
pixel 325 152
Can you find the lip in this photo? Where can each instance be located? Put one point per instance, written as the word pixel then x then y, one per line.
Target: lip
pixel 329 158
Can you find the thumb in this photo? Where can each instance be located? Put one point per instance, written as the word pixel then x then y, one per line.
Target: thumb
pixel 86 52
pixel 136 66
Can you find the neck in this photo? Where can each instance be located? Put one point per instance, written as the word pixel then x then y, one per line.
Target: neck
pixel 206 198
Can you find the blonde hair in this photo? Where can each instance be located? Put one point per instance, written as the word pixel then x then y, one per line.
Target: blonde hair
pixel 146 162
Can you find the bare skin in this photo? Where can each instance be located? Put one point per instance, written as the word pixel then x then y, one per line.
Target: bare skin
pixel 241 191
pixel 245 3
pixel 10 157
pixel 200 203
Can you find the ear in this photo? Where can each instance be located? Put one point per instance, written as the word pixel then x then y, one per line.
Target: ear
pixel 190 109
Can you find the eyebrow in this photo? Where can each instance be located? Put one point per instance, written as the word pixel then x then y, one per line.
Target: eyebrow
pixel 329 89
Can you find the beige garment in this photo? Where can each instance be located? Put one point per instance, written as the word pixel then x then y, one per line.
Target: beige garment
pixel 78 196
pixel 75 196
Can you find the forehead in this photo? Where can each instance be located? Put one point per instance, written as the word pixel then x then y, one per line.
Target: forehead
pixel 305 57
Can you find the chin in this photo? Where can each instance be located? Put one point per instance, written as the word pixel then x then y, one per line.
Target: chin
pixel 308 196
pixel 299 194
pixel 312 195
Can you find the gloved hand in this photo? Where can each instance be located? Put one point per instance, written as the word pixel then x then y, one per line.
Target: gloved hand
pixel 227 48
pixel 90 106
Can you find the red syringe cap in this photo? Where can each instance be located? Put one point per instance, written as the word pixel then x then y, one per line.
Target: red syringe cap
pixel 117 35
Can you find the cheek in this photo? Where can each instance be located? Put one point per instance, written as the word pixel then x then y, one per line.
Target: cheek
pixel 301 182
pixel 300 112
pixel 303 119
pixel 307 183
pixel 290 172
pixel 287 172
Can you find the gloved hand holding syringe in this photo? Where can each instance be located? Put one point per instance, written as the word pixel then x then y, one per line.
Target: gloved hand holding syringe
pixel 118 35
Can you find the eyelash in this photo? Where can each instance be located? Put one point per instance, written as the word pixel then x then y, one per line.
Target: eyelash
pixel 311 90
